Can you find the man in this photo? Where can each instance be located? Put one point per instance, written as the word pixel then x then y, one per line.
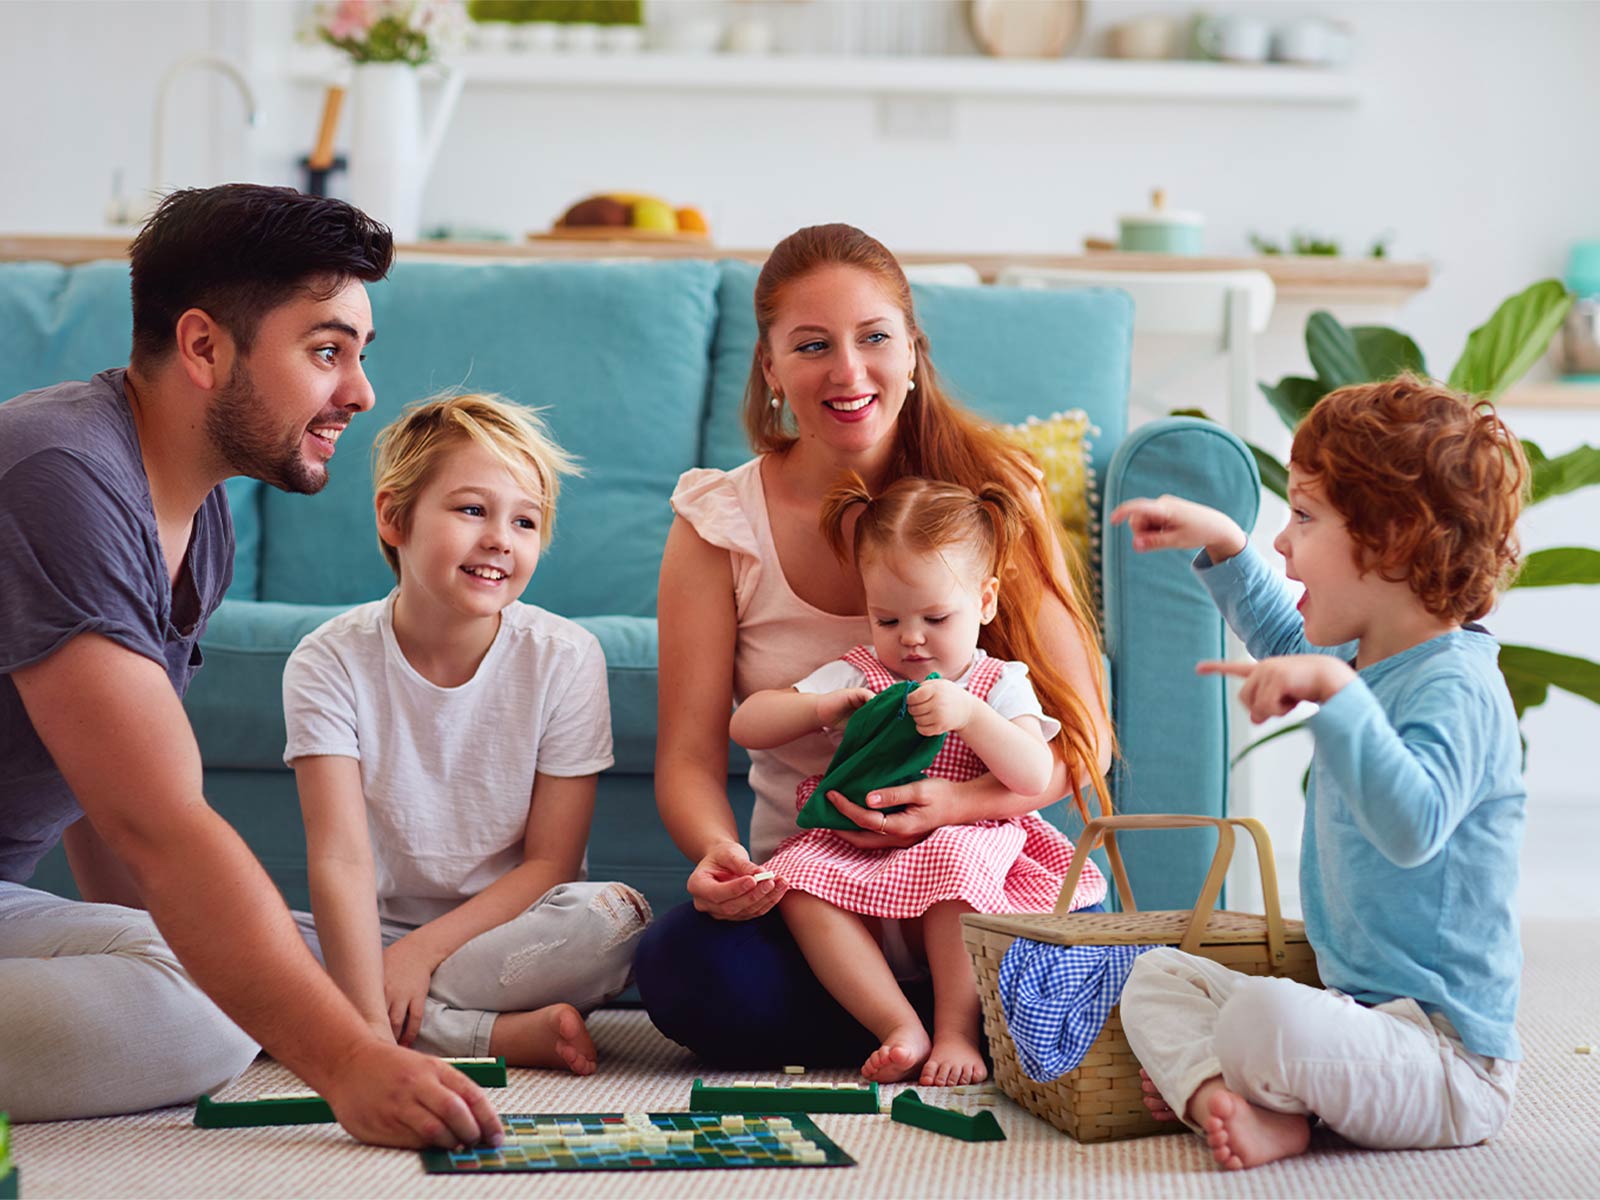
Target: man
pixel 250 315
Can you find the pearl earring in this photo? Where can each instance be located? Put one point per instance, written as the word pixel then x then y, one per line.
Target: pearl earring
pixel 776 401
pixel 911 383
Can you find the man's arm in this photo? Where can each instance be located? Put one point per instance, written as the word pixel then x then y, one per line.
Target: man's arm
pixel 119 736
pixel 100 875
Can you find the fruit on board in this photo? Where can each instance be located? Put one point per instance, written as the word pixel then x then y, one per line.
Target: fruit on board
pixel 635 210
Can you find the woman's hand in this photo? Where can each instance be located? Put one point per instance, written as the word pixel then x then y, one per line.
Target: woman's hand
pixel 723 884
pixel 407 972
pixel 930 803
pixel 1173 523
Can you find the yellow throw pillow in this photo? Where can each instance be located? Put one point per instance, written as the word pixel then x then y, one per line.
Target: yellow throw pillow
pixel 1060 445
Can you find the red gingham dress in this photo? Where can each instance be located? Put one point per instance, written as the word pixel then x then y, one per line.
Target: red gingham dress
pixel 1011 865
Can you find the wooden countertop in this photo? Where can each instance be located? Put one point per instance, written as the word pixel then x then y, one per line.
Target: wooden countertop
pixel 1362 279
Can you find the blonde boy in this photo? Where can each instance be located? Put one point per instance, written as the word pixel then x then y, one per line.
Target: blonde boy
pixel 446 742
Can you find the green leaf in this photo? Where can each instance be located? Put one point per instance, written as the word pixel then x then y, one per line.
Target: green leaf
pixel 1530 673
pixel 1333 352
pixel 1191 412
pixel 1500 351
pixel 1565 473
pixel 1292 397
pixel 1260 742
pixel 1386 352
pixel 1274 475
pixel 1559 567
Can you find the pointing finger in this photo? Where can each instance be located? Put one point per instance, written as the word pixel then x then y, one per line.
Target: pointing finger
pixel 1213 667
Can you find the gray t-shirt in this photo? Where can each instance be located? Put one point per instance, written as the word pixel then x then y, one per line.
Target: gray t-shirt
pixel 79 553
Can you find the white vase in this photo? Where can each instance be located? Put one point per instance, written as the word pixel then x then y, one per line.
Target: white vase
pixel 391 152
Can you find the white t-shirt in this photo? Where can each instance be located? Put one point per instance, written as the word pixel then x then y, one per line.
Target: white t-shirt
pixel 1011 696
pixel 448 773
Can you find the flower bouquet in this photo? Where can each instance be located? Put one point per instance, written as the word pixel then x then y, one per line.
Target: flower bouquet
pixel 389 31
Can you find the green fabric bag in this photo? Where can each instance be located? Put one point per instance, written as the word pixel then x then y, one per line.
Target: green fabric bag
pixel 881 748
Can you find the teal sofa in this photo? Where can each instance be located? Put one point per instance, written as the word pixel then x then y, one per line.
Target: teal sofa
pixel 641 367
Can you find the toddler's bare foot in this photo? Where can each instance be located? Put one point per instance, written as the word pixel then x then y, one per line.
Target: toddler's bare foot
pixel 554 1036
pixel 954 1060
pixel 1242 1134
pixel 902 1052
pixel 1153 1100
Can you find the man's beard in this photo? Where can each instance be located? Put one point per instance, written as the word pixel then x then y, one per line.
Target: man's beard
pixel 239 424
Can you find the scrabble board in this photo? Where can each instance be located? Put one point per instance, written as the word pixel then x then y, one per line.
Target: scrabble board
pixel 549 1143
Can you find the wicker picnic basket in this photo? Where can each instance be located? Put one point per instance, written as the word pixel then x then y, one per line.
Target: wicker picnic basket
pixel 1100 1099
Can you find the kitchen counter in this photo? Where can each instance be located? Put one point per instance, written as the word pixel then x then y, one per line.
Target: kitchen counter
pixel 1356 280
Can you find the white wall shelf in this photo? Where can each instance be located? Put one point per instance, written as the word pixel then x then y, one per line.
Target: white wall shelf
pixel 948 76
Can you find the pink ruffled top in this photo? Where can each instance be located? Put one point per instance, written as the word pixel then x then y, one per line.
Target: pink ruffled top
pixel 781 637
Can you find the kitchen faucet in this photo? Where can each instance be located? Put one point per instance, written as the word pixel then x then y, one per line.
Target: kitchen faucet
pixel 125 212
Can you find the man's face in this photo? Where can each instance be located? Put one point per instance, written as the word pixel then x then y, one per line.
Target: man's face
pixel 280 411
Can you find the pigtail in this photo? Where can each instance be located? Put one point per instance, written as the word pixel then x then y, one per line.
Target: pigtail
pixel 850 491
pixel 1007 523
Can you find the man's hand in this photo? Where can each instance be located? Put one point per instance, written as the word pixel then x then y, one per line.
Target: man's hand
pixel 723 884
pixel 834 708
pixel 393 1097
pixel 1173 523
pixel 1273 686
pixel 939 706
pixel 407 974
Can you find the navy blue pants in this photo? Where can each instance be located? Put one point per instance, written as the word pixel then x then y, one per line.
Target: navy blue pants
pixel 740 994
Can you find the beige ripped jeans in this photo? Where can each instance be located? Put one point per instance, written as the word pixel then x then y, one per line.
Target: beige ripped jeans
pixel 1390 1077
pixel 574 945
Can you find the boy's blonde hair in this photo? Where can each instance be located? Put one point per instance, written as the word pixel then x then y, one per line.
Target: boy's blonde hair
pixel 408 450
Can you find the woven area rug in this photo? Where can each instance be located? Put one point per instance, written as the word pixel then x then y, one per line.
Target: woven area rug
pixel 1551 1147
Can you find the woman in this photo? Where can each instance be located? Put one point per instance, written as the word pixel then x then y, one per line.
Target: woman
pixel 752 597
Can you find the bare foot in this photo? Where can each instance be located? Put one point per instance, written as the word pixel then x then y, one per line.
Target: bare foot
pixel 554 1036
pixel 954 1060
pixel 902 1052
pixel 1153 1100
pixel 1242 1134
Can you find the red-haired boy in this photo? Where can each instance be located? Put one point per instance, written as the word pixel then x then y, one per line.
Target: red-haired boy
pixel 1404 498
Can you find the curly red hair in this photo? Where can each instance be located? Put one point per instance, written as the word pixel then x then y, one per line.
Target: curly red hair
pixel 1429 482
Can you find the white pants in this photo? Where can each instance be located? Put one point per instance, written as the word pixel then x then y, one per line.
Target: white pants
pixel 98 1017
pixel 1389 1077
pixel 574 945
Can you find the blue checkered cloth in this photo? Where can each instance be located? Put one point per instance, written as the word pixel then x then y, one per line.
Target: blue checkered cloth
pixel 1057 998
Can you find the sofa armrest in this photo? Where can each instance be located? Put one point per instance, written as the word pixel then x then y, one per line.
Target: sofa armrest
pixel 1172 725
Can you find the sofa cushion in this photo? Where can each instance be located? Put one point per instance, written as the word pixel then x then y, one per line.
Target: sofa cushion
pixel 1005 352
pixel 236 701
pixel 59 323
pixel 616 353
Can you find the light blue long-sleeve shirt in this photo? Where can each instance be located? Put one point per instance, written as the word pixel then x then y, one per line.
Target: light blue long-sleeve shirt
pixel 1414 816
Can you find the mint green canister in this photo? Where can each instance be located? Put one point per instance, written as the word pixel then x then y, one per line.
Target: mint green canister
pixel 1162 230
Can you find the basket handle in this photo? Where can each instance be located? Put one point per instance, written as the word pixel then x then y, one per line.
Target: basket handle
pixel 1205 903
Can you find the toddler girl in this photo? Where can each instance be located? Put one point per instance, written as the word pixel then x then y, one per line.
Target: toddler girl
pixel 931 557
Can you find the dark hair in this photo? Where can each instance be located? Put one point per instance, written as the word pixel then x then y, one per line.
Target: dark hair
pixel 240 250
pixel 1429 482
pixel 936 438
